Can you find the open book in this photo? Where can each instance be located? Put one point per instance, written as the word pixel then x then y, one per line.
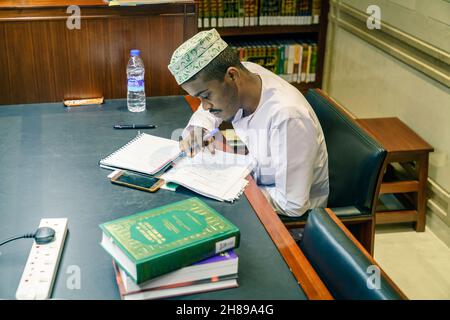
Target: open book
pixel 220 176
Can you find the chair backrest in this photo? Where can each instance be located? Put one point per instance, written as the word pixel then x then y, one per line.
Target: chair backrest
pixel 354 158
pixel 342 266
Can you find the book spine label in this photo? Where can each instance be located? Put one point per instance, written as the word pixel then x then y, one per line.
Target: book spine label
pixel 226 244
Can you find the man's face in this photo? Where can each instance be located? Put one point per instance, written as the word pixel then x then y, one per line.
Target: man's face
pixel 219 97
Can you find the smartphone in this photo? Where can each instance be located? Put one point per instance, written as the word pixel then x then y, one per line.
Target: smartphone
pixel 137 181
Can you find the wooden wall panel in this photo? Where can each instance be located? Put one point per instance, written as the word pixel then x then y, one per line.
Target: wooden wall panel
pixel 4 78
pixel 21 64
pixel 47 3
pixel 41 60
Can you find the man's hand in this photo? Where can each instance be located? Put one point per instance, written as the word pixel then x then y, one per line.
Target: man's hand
pixel 195 142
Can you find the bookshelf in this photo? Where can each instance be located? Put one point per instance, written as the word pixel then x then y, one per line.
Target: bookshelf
pixel 279 30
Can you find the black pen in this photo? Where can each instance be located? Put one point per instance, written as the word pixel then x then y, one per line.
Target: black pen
pixel 134 126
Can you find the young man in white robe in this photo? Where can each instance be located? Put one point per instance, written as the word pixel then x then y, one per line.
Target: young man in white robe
pixel 272 118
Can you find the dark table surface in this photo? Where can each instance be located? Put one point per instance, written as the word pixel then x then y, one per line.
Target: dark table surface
pixel 49 169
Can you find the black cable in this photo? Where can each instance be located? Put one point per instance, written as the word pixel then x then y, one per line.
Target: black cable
pixel 42 235
pixel 25 236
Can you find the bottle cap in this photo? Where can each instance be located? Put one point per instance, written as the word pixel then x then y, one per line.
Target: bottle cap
pixel 135 52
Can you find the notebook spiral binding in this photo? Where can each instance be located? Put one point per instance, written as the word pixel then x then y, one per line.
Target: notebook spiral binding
pixel 138 136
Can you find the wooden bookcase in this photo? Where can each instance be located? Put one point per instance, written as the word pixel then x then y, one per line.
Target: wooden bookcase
pixel 315 31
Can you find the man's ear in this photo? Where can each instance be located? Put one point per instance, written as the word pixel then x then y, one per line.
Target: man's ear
pixel 232 74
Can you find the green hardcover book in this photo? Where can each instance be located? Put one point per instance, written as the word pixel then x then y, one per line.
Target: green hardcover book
pixel 200 14
pixel 213 6
pixel 164 239
pixel 220 13
pixel 206 14
pixel 316 9
pixel 264 13
pixel 313 63
pixel 280 59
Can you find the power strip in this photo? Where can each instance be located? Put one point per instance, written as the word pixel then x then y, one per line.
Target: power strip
pixel 42 264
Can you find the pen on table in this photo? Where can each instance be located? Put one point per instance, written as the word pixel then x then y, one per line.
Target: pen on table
pixel 135 126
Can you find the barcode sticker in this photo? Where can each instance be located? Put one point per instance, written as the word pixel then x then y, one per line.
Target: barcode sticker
pixel 225 244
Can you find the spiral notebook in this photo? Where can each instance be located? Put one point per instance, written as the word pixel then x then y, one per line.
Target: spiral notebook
pixel 144 154
pixel 220 176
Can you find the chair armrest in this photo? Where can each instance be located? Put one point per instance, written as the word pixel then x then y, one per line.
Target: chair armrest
pixel 350 211
pixel 341 212
pixel 342 263
pixel 364 252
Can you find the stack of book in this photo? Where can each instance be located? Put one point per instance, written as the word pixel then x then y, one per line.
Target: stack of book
pixel 293 60
pixel 181 248
pixel 242 13
pixel 217 272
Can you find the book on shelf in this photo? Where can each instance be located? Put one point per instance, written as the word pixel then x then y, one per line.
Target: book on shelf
pixel 297 62
pixel 200 9
pixel 206 11
pixel 293 60
pixel 308 64
pixel 313 65
pixel 251 12
pixel 304 70
pixel 245 13
pixel 213 6
pixel 154 242
pixel 211 274
pixel 220 176
pixel 316 9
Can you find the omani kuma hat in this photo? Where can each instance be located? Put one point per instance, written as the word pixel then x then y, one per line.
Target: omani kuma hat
pixel 195 54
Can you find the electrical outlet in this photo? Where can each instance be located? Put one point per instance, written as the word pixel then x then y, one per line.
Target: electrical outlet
pixel 42 264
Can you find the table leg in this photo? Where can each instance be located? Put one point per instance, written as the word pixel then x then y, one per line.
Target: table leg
pixel 422 174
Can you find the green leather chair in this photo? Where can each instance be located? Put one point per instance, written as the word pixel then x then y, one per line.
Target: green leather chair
pixel 354 164
pixel 346 269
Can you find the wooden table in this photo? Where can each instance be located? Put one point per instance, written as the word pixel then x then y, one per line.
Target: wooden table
pixel 405 147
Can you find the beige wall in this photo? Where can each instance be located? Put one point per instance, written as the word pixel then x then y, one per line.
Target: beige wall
pixel 375 74
pixel 427 20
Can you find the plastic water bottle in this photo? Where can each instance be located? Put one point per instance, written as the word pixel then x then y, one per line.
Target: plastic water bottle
pixel 135 82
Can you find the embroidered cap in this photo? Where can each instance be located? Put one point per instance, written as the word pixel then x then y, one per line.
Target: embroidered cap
pixel 195 54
